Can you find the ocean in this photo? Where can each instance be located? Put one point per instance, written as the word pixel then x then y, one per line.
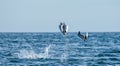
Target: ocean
pixel 54 49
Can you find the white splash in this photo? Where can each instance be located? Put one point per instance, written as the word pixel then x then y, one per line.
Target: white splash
pixel 47 50
pixel 30 54
pixel 63 57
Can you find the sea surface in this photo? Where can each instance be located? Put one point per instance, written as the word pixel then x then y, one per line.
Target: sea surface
pixel 55 49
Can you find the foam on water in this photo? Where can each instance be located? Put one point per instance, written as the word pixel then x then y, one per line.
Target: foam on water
pixel 30 54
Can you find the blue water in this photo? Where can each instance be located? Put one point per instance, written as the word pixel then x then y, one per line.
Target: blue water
pixel 54 49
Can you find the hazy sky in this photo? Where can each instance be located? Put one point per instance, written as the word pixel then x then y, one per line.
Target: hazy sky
pixel 45 15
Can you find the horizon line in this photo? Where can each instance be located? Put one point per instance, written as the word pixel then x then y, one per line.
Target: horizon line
pixel 50 32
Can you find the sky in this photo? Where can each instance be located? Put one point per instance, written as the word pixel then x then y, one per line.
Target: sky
pixel 46 15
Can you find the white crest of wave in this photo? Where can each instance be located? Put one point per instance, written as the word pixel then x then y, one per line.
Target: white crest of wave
pixel 30 54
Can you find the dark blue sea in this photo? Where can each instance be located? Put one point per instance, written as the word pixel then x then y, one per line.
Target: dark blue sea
pixel 54 49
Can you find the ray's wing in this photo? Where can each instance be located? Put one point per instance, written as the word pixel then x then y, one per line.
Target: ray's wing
pixel 87 34
pixel 60 27
pixel 81 36
pixel 67 28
